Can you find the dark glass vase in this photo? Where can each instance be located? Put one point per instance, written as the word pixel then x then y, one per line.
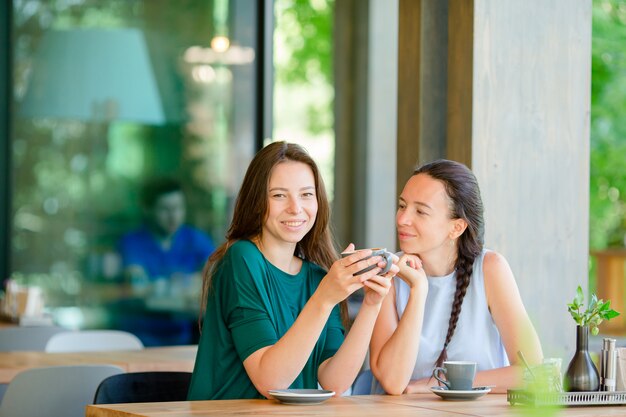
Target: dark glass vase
pixel 582 374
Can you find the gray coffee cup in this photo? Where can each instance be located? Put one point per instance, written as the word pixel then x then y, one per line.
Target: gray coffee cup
pixel 459 375
pixel 387 256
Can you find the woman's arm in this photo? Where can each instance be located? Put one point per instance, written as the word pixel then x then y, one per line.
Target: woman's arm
pixel 338 372
pixel 278 365
pixel 503 379
pixel 512 321
pixel 395 343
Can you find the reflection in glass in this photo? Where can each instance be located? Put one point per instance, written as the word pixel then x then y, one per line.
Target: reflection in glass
pixel 108 94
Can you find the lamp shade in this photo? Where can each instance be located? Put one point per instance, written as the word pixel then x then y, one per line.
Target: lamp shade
pixel 93 74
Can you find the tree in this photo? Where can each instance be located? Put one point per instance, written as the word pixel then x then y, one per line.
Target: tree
pixel 608 125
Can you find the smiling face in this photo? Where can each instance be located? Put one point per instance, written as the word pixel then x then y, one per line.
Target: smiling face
pixel 292 204
pixel 423 217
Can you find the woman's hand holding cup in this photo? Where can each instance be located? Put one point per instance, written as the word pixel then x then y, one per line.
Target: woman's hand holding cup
pixel 388 259
pixel 345 275
pixel 376 281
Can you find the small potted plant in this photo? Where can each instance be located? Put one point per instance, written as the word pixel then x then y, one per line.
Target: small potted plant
pixel 582 374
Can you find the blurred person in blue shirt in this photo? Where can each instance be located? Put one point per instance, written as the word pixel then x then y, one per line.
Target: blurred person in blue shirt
pixel 162 260
pixel 164 245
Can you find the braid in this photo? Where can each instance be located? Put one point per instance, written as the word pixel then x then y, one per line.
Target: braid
pixel 464 268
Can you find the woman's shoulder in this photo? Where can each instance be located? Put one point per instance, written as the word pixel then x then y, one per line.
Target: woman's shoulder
pixel 241 263
pixel 497 273
pixel 243 248
pixel 494 263
pixel 242 254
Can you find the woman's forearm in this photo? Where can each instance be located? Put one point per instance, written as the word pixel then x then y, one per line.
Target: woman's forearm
pixel 499 379
pixel 338 373
pixel 277 366
pixel 394 365
pixel 503 378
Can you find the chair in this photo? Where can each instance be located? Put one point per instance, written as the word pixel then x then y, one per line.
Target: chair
pixel 138 387
pixel 93 340
pixel 57 391
pixel 27 338
pixel 363 383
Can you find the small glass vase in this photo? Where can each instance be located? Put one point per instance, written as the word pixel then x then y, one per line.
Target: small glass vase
pixel 582 374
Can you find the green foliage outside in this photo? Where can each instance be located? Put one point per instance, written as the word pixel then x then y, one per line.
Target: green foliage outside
pixel 303 79
pixel 307 25
pixel 304 52
pixel 607 221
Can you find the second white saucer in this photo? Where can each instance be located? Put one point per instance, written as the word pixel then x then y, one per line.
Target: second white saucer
pixel 472 394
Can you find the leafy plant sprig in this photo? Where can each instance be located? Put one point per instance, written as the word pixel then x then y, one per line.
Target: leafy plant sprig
pixel 597 311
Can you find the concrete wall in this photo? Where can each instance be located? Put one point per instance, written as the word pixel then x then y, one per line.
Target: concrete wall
pixel 366 70
pixel 517 112
pixel 501 85
pixel 530 149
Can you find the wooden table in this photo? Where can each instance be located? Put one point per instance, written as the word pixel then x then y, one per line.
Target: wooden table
pixel 423 405
pixel 176 358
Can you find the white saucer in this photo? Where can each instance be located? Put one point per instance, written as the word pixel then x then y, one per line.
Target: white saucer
pixel 447 394
pixel 301 396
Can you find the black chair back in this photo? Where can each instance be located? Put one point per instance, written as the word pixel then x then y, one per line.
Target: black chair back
pixel 143 387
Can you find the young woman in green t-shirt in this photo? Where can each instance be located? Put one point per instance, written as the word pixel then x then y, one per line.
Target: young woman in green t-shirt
pixel 272 291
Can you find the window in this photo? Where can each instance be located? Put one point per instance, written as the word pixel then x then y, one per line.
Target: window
pixel 303 81
pixel 107 96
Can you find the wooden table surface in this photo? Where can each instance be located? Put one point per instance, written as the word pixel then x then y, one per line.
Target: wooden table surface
pixel 423 405
pixel 175 358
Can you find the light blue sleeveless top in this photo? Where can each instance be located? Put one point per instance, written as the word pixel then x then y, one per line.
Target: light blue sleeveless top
pixel 476 337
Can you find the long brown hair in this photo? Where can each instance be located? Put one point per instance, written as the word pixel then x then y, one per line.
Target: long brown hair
pixel 251 210
pixel 465 203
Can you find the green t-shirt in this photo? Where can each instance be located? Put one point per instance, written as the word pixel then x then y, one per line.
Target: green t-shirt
pixel 251 305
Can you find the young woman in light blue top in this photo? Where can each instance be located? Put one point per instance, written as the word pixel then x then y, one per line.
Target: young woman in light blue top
pixel 452 299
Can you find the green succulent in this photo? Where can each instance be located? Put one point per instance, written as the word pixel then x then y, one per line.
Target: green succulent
pixel 597 311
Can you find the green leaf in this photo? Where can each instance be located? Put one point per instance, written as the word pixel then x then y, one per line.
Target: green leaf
pixel 596 312
pixel 580 298
pixel 611 314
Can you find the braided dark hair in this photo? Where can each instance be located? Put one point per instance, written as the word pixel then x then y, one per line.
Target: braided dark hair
pixel 465 203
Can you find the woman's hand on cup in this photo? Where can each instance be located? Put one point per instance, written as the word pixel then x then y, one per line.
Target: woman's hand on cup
pixel 377 287
pixel 341 281
pixel 355 262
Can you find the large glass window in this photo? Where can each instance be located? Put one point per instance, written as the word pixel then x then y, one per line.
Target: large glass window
pixel 303 79
pixel 115 103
